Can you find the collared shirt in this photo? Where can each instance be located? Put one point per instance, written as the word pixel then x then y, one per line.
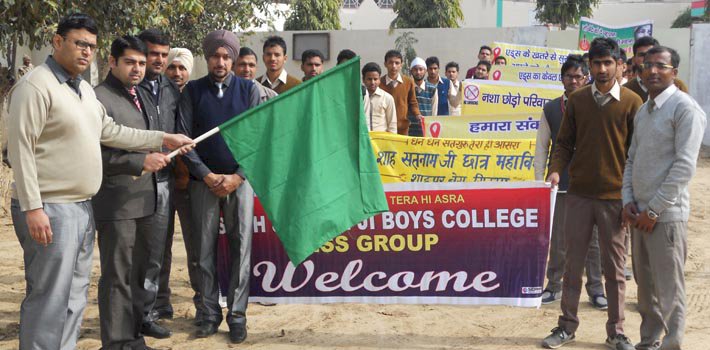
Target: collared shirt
pixel 225 82
pixel 644 88
pixel 380 113
pixel 434 99
pixel 664 96
pixel 63 76
pixel 281 79
pixel 604 98
pixel 397 81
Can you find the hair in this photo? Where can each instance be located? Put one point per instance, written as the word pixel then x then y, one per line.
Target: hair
pixel 485 47
pixel 675 57
pixel 501 58
pixel 345 55
pixel 576 62
pixel 644 41
pixel 393 54
pixel 245 51
pixel 452 64
pixel 275 40
pixel 630 62
pixel 622 55
pixel 371 67
pixel 77 21
pixel 155 37
pixel 485 63
pixel 432 60
pixel 308 54
pixel 585 56
pixel 127 42
pixel 602 47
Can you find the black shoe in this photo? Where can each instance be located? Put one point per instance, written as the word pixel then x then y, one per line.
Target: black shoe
pixel 198 318
pixel 237 332
pixel 206 329
pixel 152 329
pixel 161 314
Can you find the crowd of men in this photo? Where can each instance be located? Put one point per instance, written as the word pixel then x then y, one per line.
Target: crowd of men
pixel 94 159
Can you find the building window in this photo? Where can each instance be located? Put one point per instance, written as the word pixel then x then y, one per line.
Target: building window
pixel 352 4
pixel 385 4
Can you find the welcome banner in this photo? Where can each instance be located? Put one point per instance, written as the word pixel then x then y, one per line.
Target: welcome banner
pixel 438 244
pixel 532 56
pixel 505 127
pixel 487 97
pixel 625 34
pixel 530 75
pixel 417 159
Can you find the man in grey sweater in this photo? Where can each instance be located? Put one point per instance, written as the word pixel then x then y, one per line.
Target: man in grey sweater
pixel 668 131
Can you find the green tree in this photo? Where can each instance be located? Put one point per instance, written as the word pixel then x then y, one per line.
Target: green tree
pixel 685 19
pixel 405 44
pixel 564 12
pixel 427 14
pixel 314 15
pixel 32 22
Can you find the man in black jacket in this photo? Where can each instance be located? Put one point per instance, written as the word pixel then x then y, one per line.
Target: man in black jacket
pixel 125 206
pixel 161 100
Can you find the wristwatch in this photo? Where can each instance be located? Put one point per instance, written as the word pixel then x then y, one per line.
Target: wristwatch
pixel 652 214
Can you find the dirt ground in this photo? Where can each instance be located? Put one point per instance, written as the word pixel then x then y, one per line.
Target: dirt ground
pixel 358 326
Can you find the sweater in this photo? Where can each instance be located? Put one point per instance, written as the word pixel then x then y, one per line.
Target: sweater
pixel 291 82
pixel 634 85
pixel 201 110
pixel 663 155
pixel 593 141
pixel 405 102
pixel 54 138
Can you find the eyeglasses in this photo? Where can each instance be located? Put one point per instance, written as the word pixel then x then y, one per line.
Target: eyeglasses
pixel 83 45
pixel 576 77
pixel 658 65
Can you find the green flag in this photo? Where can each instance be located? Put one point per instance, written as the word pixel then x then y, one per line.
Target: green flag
pixel 308 155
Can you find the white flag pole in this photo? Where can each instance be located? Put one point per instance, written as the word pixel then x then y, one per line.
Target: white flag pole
pixel 174 153
pixel 200 138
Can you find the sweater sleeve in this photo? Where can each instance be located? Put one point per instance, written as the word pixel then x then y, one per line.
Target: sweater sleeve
pixel 627 191
pixel 122 137
pixel 26 118
pixel 566 139
pixel 184 126
pixel 689 125
pixel 542 148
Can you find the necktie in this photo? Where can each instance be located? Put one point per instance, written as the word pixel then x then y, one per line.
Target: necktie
pixel 134 97
pixel 74 84
pixel 154 87
pixel 651 105
pixel 220 93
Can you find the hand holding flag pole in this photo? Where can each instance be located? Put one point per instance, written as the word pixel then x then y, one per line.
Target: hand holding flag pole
pixel 179 150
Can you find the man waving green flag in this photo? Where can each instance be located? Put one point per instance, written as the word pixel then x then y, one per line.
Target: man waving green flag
pixel 308 156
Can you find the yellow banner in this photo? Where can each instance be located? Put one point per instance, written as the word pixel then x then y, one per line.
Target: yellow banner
pixel 530 75
pixel 486 97
pixel 532 56
pixel 488 127
pixel 416 159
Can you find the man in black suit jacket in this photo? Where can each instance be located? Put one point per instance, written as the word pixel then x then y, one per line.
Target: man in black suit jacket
pixel 125 206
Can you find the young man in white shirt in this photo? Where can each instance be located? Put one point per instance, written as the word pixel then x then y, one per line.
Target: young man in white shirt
pixel 379 105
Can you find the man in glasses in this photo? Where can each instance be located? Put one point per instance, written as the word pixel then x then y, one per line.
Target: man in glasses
pixel 574 76
pixel 55 129
pixel 641 46
pixel 668 131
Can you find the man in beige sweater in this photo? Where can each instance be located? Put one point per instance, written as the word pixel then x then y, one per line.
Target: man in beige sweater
pixel 55 129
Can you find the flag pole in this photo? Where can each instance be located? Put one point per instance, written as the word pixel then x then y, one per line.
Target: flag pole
pixel 197 140
pixel 175 152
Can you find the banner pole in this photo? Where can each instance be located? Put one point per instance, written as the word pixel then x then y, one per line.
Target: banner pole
pixel 197 140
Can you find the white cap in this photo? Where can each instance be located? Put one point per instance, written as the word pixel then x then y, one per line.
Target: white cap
pixel 417 61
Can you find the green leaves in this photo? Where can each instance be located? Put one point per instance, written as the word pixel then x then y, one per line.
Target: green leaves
pixel 314 15
pixel 427 14
pixel 564 12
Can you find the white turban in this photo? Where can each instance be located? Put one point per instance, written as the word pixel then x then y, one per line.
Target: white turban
pixel 417 61
pixel 181 55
